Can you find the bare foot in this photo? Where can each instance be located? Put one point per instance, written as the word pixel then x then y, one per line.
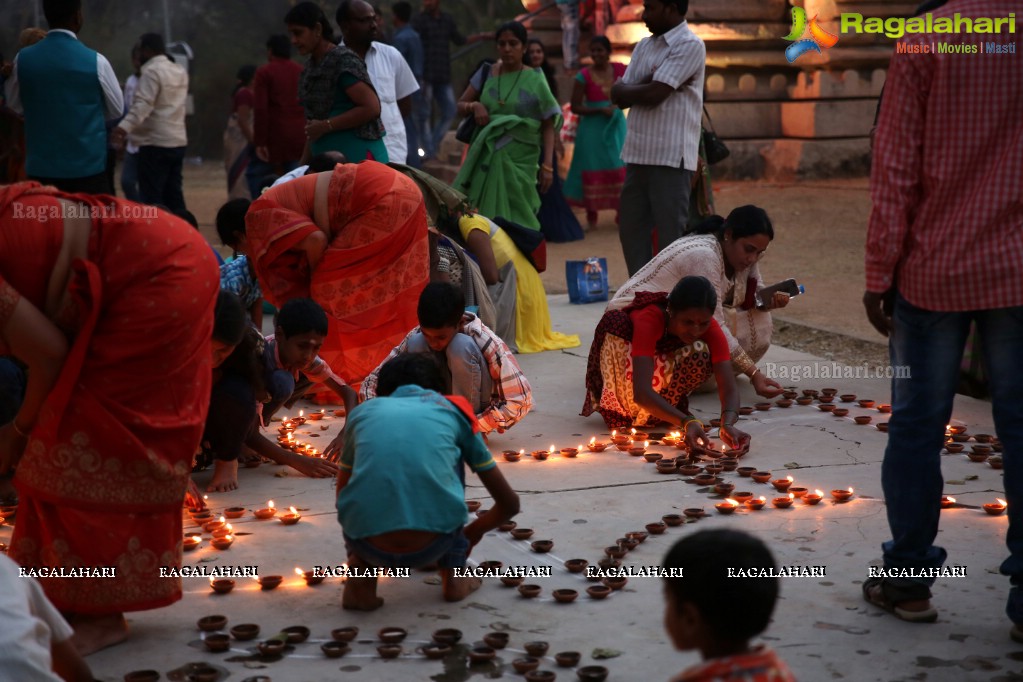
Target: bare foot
pixel 361 595
pixel 225 476
pixel 93 633
pixel 458 588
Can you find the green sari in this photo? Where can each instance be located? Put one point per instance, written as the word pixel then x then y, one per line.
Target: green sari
pixel 499 175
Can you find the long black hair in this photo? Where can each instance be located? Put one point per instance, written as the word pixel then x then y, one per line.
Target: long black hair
pixel 309 14
pixel 545 66
pixel 744 221
pixel 693 291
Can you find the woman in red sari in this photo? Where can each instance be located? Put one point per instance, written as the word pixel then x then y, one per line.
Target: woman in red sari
pixel 354 240
pixel 110 304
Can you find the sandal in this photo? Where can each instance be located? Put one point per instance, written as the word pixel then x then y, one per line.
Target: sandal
pixel 874 593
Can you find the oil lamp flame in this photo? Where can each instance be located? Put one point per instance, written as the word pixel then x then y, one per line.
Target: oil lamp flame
pixel 593 440
pixel 292 510
pixel 299 571
pixel 1001 502
pixel 734 503
pixel 270 504
pixel 819 492
pixel 790 478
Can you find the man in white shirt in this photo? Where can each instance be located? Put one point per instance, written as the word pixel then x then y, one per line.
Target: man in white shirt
pixel 156 123
pixel 392 78
pixel 663 86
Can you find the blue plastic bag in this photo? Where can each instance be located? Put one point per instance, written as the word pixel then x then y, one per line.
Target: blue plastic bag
pixel 587 280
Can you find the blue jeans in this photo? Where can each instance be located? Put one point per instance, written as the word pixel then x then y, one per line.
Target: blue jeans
pixel 160 182
pixel 444 96
pixel 570 34
pixel 448 551
pixel 12 389
pixel 930 344
pixel 130 177
pixel 463 365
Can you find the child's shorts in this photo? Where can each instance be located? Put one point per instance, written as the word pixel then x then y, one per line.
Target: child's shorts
pixel 448 551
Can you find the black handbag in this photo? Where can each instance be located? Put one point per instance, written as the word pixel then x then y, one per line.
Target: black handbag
pixel 714 149
pixel 467 128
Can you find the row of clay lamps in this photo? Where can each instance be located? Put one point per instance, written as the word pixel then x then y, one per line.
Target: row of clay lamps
pixel 441 644
pixel 221 529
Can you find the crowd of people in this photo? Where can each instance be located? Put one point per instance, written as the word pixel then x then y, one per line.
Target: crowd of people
pixel 131 356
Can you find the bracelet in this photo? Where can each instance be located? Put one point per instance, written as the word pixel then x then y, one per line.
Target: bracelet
pixel 549 169
pixel 755 371
pixel 330 124
pixel 689 421
pixel 14 424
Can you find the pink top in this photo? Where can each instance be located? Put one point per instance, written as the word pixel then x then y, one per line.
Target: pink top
pixel 596 92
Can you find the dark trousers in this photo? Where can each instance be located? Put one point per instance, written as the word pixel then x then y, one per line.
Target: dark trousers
pixel 652 196
pixel 160 182
pixel 91 184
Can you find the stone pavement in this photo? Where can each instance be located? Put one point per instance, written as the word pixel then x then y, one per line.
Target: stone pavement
pixel 821 626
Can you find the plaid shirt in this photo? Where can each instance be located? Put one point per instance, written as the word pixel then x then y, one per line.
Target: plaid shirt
pixel 512 399
pixel 236 278
pixel 947 224
pixel 436 32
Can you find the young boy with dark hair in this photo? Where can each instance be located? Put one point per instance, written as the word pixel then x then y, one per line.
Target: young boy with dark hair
pixel 701 606
pixel 403 505
pixel 475 363
pixel 237 275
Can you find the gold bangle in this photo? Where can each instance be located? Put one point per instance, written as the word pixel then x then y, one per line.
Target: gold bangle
pixel 755 372
pixel 549 169
pixel 687 422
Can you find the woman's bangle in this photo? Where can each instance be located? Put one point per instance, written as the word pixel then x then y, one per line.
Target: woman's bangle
pixel 17 429
pixel 687 422
pixel 549 169
pixel 755 371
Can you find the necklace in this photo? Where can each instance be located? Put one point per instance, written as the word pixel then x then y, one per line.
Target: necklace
pixel 500 99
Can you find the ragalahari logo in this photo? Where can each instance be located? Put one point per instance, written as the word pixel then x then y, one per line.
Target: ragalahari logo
pixel 816 39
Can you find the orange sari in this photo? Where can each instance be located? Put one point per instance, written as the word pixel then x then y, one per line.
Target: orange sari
pixel 103 476
pixel 376 264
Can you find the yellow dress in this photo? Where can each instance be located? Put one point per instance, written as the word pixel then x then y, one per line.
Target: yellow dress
pixel 533 332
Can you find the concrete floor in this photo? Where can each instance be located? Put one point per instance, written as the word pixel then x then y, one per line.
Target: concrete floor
pixel 821 626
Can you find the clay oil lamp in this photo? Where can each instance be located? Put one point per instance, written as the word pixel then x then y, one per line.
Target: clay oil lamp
pixel 673 519
pixel 223 532
pixel 598 591
pixel 666 466
pixel 619 438
pixel 865 403
pixel 784 402
pixel 978 456
pixel 311 577
pixel 234 512
pixel 592 673
pixel 690 469
pixel 756 503
pixel 883 427
pixel 200 672
pixel 536 649
pixel 570 452
pixel 842 495
pixel 724 489
pixel 694 513
pixel 221 585
pixel 639 448
pixel 982 449
pixel 507 526
pixel 272 647
pixel 761 476
pixel 840 412
pixel 222 543
pixel 211 526
pixel 798 491
pixel 269 582
pixel 729 463
pixel 541 455
pixel 789 394
pixel 782 484
pixel 783 502
pixel 847 398
pixel 540 676
pixel 826 407
pixel 245 632
pixel 142 676
pixel 656 528
pixel 825 399
pixel 190 542
pixel 496 640
pixel 985 438
pixel 615 583
pixel 480 513
pixel 813 498
pixel 615 551
pixel 473 505
pixel 947 502
pixel 448 636
pixel 392 635
pixel 300 419
pixel 727 507
pixel 512 581
pixel 652 457
pixel 960 438
pixel 628 543
pixel 530 591
pixel 884 408
pixel 522 533
pixel 266 512
pixel 542 546
pixel 434 651
pixel 333 649
pixel 512 455
pixel 996 462
pixel 316 416
pixel 491 565
pixel 763 407
pixel 594 446
pixel 564 596
pixel 742 496
pixel 810 393
pixel 745 411
pixel 389 651
pixel 637 535
pixel 714 469
pixel 829 391
pixel 805 400
pixel 995 508
pixel 525 665
pixel 957 429
pixel 862 419
pixel 345 634
pixel 567 659
pixel 745 472
pixel 211 623
pixel 217 643
pixel 672 438
pixel 639 435
pixel 704 479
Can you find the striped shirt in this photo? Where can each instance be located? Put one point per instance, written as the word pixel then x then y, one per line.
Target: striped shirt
pixel 667 134
pixel 512 399
pixel 947 220
pixel 236 277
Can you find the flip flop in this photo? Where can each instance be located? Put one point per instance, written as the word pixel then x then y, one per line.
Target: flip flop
pixel 877 598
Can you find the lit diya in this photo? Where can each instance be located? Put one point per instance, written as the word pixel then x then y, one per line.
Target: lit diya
pixel 756 503
pixel 638 450
pixel 221 585
pixel 223 532
pixel 813 498
pixel 190 542
pixel 995 508
pixel 594 446
pixel 947 502
pixel 570 452
pixel 316 416
pixel 620 438
pixel 222 543
pixel 311 577
pixel 266 512
pixel 727 507
pixel 842 495
pixel 291 518
pixel 782 484
pixel 783 502
pixel 269 582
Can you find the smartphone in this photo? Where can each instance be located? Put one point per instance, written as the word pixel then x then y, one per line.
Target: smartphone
pixel 788 286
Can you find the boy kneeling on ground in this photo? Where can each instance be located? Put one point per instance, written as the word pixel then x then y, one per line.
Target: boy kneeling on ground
pixel 475 363
pixel 706 609
pixel 401 484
